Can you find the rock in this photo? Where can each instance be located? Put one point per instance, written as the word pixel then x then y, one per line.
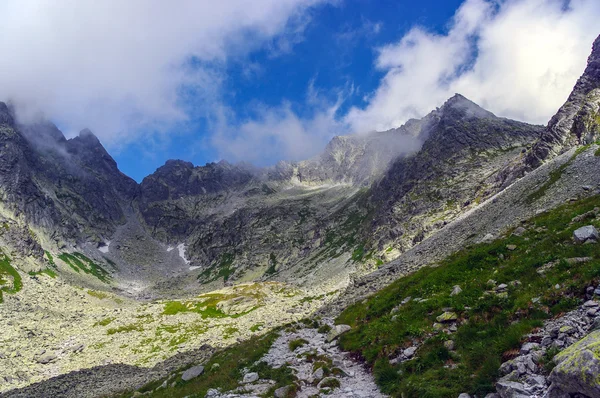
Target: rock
pixel 250 377
pixel 501 287
pixel 406 300
pixel 337 331
pixel 215 366
pixel 528 347
pixel 447 317
pixel 449 344
pixel 487 238
pixel 590 304
pixel 512 389
pixel 45 359
pixel 192 373
pixel 318 374
pixel 584 234
pixel 410 352
pixel 577 368
pixel 283 392
pixel 519 231
pixel 511 247
pixel 464 395
pixel 455 290
pixel 212 392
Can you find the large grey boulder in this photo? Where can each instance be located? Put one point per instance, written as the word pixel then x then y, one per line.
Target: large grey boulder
pixel 192 373
pixel 584 234
pixel 577 369
pixel 250 377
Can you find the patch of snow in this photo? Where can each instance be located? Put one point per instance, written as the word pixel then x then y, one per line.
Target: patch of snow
pixel 181 248
pixel 170 248
pixel 193 267
pixel 104 248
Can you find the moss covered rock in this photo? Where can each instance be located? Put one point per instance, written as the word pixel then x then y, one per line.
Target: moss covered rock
pixel 578 369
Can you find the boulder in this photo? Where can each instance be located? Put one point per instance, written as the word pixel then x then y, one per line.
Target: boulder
pixel 513 389
pixel 45 359
pixel 250 377
pixel 283 392
pixel 410 352
pixel 585 234
pixel 577 369
pixel 337 331
pixel 192 373
pixel 447 317
pixel 318 374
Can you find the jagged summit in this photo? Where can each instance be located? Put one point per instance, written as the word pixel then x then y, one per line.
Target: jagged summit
pixel 461 107
pixel 5 114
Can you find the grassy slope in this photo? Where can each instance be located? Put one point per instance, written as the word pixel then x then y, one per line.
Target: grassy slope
pixel 493 326
pixel 227 374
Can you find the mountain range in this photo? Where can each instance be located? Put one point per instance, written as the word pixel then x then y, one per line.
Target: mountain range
pixel 331 230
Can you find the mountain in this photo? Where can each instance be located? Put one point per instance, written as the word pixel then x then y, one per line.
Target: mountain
pixel 135 279
pixel 577 122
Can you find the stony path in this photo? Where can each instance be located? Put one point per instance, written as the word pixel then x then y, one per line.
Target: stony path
pixel 354 379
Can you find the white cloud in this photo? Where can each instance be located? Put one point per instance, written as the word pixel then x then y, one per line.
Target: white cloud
pixel 277 132
pixel 115 66
pixel 517 58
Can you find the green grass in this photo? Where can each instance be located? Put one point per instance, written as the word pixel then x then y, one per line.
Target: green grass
pixel 232 361
pixel 97 294
pixel 134 327
pixel 296 344
pixel 104 322
pixel 78 262
pixel 494 325
pixel 8 274
pixel 272 265
pixel 46 271
pixel 207 307
pixel 223 270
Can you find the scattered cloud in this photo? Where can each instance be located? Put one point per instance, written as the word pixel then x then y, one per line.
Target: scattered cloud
pixel 277 132
pixel 517 58
pixel 119 66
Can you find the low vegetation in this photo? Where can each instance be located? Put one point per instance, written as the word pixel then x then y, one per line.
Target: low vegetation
pixel 490 325
pixel 225 371
pixel 78 262
pixel 10 280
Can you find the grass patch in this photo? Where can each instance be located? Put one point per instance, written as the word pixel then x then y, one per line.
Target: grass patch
pixel 297 343
pixel 46 271
pixel 134 327
pixel 97 294
pixel 493 324
pixel 256 328
pixel 223 270
pixel 10 279
pixel 78 262
pixel 104 322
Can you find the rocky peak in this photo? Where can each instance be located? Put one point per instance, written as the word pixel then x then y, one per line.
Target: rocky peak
pixel 460 107
pixel 577 122
pixel 5 115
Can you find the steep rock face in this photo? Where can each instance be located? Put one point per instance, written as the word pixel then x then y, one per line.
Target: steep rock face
pixel 67 190
pixel 577 122
pixel 454 170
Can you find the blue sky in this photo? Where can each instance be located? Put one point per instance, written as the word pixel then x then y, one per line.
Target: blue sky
pixel 337 48
pixel 267 80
